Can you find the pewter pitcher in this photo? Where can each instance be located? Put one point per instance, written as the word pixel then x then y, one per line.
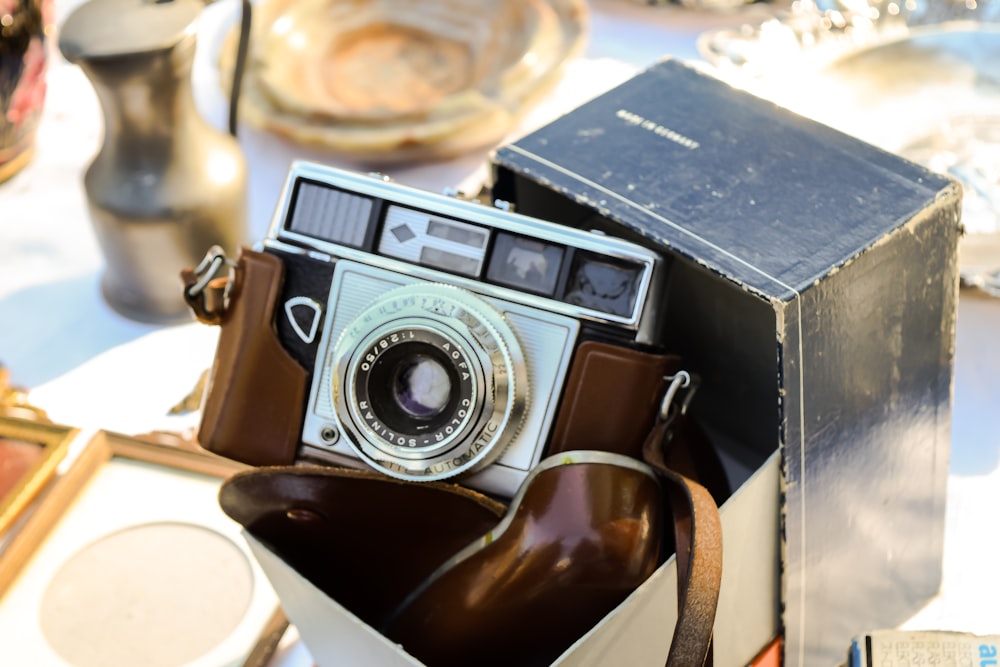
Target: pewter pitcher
pixel 165 185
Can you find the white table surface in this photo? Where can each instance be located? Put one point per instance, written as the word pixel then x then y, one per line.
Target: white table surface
pixel 91 368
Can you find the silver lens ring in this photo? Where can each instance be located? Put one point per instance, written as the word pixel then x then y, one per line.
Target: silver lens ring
pixel 421 424
pixel 429 382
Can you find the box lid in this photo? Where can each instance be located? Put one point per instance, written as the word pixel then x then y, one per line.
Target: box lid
pixel 755 193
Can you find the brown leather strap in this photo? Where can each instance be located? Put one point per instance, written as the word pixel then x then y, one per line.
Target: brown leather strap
pixel 612 402
pixel 690 453
pixel 698 535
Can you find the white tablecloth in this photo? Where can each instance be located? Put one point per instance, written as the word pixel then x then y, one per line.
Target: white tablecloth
pixel 91 368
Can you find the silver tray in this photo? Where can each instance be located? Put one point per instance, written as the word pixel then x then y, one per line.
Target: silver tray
pixel 919 79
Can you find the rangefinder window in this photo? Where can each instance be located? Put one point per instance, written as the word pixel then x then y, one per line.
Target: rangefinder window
pixel 526 264
pixel 446 261
pixel 331 215
pixel 452 231
pixel 604 284
pixel 449 245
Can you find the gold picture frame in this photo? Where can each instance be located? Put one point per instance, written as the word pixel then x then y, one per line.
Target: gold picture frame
pixel 30 453
pixel 112 486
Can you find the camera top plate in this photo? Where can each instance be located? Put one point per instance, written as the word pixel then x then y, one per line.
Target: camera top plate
pixel 329 213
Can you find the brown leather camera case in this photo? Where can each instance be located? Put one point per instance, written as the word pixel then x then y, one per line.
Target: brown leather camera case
pixel 253 377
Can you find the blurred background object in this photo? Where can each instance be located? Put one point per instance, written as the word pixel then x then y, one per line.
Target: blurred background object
pixel 920 78
pixel 165 185
pixel 709 5
pixel 60 339
pixel 23 28
pixel 385 81
pixel 14 400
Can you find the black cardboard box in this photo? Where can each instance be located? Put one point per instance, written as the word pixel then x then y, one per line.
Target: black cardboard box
pixel 813 287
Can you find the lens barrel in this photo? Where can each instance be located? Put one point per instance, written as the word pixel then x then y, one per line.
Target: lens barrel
pixel 430 382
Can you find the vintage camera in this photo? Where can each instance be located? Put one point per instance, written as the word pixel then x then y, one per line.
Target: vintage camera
pixel 436 334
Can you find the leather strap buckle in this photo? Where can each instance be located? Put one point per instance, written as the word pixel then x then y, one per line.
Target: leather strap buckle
pixel 207 288
pixel 678 381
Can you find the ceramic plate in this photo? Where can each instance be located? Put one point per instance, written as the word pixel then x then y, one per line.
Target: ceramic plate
pixel 389 81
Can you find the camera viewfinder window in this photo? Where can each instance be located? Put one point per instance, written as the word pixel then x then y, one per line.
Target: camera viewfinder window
pixel 330 215
pixel 603 284
pixel 526 264
pixel 470 236
pixel 449 245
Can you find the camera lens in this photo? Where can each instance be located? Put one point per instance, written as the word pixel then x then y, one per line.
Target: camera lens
pixel 421 386
pixel 413 387
pixel 430 382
